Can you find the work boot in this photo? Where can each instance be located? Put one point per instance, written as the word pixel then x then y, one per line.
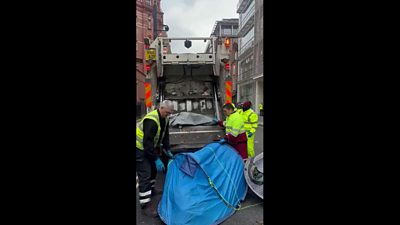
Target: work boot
pixel 150 210
pixel 156 191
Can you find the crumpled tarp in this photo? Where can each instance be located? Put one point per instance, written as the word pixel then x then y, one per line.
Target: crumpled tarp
pixel 189 118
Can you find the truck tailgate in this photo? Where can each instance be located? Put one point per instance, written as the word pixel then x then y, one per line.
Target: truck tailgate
pixel 192 138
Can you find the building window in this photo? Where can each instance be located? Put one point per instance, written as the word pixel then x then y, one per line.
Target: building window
pixel 226 30
pixel 246 92
pixel 249 7
pixel 235 30
pixel 246 68
pixel 246 41
pixel 148 2
pixel 246 15
pixel 149 22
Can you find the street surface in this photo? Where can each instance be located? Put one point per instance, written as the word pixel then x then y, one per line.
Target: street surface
pixel 248 216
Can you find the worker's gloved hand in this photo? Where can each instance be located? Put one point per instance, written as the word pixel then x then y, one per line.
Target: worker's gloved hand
pixel 159 165
pixel 221 123
pixel 249 134
pixel 169 154
pixel 231 139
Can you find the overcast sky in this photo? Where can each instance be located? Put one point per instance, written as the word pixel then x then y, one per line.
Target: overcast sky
pixel 195 18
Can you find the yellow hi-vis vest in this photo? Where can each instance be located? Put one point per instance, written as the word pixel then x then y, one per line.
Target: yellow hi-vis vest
pixel 153 115
pixel 234 107
pixel 260 106
pixel 234 124
pixel 250 120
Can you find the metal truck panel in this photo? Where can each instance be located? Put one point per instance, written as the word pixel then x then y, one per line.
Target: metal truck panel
pixel 193 138
pixel 188 58
pixel 190 81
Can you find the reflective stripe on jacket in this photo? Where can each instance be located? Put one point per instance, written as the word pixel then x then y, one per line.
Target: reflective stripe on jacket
pixel 153 115
pixel 234 107
pixel 234 124
pixel 250 120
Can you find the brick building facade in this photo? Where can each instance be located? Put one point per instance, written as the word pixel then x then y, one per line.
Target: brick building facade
pixel 145 29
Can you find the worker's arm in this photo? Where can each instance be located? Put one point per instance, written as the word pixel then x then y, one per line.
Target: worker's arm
pixel 221 123
pixel 150 131
pixel 166 144
pixel 165 141
pixel 236 135
pixel 254 122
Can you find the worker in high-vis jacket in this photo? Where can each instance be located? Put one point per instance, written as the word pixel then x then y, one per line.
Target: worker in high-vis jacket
pixel 260 107
pixel 234 128
pixel 239 106
pixel 222 123
pixel 151 133
pixel 250 119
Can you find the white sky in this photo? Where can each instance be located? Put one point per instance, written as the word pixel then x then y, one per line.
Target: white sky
pixel 195 18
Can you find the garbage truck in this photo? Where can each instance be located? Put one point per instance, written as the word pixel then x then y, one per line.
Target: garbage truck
pixel 198 84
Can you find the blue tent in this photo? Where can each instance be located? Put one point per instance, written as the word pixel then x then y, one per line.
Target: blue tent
pixel 203 187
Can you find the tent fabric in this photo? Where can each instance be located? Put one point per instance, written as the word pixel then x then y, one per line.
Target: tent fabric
pixel 188 197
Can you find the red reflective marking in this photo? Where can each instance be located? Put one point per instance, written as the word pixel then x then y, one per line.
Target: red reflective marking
pixel 228 93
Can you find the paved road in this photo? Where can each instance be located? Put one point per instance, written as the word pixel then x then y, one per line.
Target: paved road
pixel 253 215
pixel 248 216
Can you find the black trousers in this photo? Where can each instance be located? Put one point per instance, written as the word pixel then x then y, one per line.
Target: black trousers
pixel 147 172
